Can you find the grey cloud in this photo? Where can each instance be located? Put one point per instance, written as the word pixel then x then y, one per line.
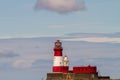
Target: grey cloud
pixel 7 54
pixel 60 6
pixel 44 62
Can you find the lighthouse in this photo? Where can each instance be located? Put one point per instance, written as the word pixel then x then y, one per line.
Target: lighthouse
pixel 61 68
pixel 58 58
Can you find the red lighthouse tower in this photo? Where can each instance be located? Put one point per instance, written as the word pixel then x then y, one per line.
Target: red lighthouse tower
pixel 58 59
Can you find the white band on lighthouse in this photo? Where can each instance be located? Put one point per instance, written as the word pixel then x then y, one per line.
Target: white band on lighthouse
pixel 58 61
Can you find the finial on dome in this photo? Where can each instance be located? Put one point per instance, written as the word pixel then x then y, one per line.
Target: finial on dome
pixel 58 41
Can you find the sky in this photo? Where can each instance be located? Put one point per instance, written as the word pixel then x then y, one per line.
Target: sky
pixel 23 18
pixel 89 30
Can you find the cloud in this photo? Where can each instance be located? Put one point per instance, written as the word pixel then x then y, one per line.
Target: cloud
pixel 60 6
pixel 29 36
pixel 28 61
pixel 21 64
pixel 7 54
pixel 95 39
pixel 117 34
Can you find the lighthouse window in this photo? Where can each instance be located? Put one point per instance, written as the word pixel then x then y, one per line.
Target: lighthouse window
pixel 58 44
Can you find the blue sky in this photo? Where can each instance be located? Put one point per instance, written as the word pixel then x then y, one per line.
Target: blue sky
pixel 20 18
pixel 90 36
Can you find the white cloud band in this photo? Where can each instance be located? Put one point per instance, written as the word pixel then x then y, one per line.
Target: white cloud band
pixel 95 39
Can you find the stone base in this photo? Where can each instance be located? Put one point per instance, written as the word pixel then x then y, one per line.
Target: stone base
pixel 75 76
